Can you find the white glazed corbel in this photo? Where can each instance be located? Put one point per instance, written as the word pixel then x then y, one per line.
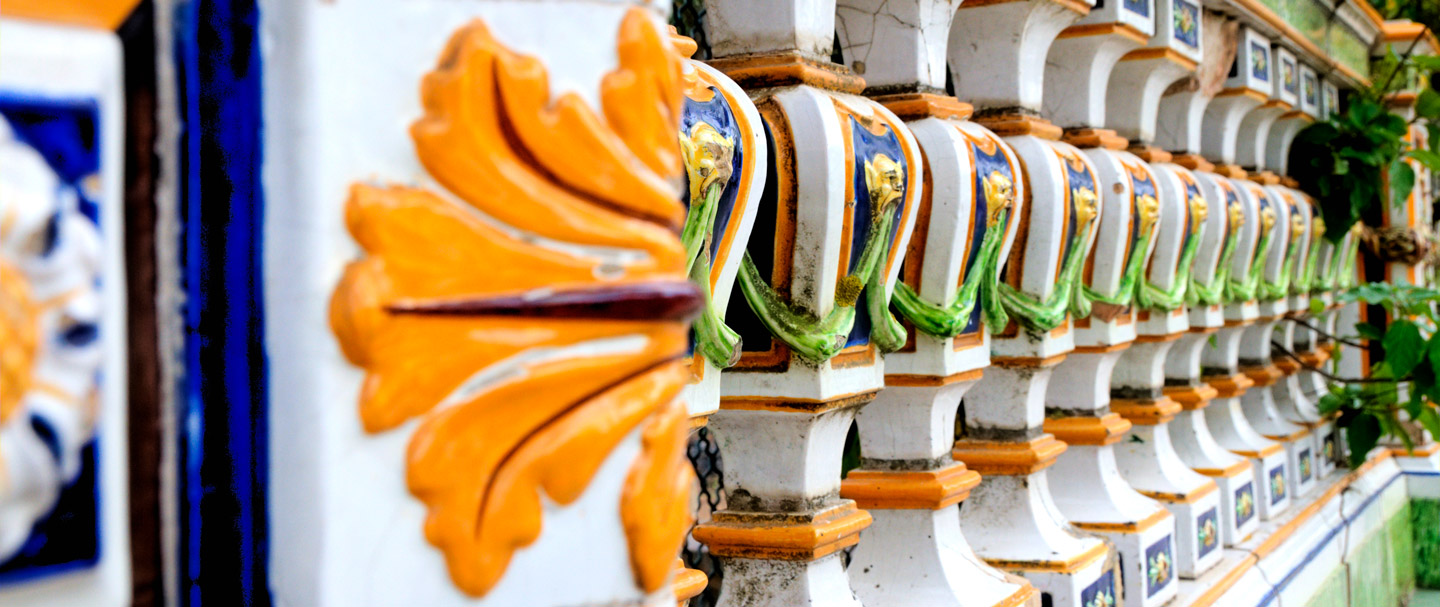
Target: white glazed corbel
pixel 1249 87
pixel 998 50
pixel 1221 364
pixel 788 404
pixel 1087 485
pixel 1184 379
pixel 915 552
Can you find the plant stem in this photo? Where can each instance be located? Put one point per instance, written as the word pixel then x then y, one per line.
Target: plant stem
pixel 1401 64
pixel 1335 338
pixel 1330 376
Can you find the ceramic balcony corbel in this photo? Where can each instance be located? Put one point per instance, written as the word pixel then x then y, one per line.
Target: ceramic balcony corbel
pixel 1079 65
pixel 1249 86
pixel 1089 489
pixel 724 151
pixel 1140 79
pixel 1220 359
pixel 1275 145
pixel 1181 110
pixel 819 269
pixel 997 55
pixel 915 554
pixel 1184 381
pixel 1011 519
pixel 1254 132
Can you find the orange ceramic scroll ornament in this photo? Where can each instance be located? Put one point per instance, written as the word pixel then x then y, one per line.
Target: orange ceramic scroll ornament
pixel 529 353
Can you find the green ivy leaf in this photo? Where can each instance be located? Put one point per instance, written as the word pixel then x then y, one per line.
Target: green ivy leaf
pixel 1402 180
pixel 1430 421
pixel 1432 350
pixel 1362 435
pixel 1316 306
pixel 1430 159
pixel 1404 347
pixel 1368 331
pixel 1427 105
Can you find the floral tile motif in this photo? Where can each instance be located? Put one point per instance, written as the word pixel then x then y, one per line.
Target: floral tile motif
pixel 50 339
pixel 1139 7
pixel 1328 449
pixel 1259 62
pixel 1159 566
pixel 1101 592
pixel 1277 485
pixel 1244 503
pixel 1208 531
pixel 1289 76
pixel 1186 16
pixel 1305 465
pixel 1310 87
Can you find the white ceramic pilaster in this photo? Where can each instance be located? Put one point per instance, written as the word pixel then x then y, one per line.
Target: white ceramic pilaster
pixel 915 553
pixel 1220 364
pixel 1184 378
pixel 1255 348
pixel 1088 487
pixel 353 526
pixel 1149 462
pixel 1011 519
pixel 788 404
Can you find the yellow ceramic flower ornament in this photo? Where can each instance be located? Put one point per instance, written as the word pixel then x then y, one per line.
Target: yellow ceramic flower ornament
pixel 999 195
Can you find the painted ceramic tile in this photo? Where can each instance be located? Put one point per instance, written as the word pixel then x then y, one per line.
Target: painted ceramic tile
pixel 1207 531
pixel 1139 7
pixel 1159 566
pixel 1101 592
pixel 1259 62
pixel 1277 484
pixel 1244 503
pixel 1187 22
pixel 1290 76
pixel 1311 94
pixel 1305 465
pixel 50 308
pixel 1329 446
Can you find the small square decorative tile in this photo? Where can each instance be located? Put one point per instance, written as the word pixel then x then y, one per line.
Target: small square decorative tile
pixel 1260 62
pixel 1277 484
pixel 1101 592
pixel 1159 566
pixel 1244 503
pixel 1187 23
pixel 1207 531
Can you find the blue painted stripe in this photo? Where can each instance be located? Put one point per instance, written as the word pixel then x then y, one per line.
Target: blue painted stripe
pixel 223 459
pixel 1275 590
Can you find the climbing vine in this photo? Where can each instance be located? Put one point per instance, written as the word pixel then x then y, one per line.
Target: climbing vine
pixel 1356 163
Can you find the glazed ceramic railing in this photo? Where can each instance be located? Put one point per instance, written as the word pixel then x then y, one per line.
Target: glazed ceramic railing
pixel 555 248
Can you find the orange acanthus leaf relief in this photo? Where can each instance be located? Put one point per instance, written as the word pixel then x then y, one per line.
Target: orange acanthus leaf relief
pixel 528 361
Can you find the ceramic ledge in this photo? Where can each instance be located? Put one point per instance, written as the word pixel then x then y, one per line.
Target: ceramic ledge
pixel 1280 562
